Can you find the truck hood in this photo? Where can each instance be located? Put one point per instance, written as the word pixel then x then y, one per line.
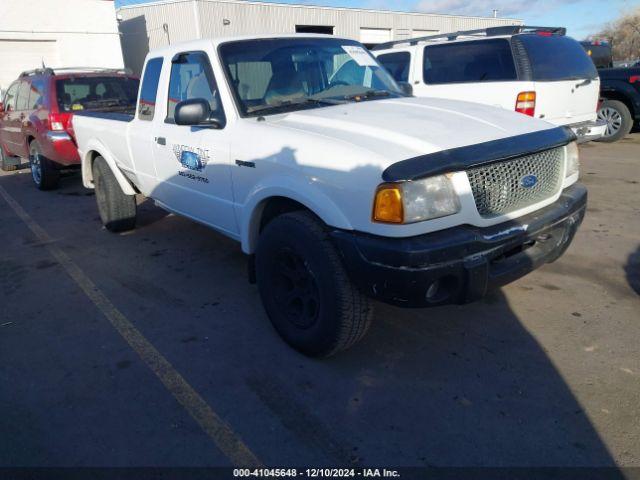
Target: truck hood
pixel 397 129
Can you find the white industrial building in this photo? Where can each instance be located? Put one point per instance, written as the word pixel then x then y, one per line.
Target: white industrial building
pixel 146 26
pixel 69 33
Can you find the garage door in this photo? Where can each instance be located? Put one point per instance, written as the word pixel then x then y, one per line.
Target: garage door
pixel 374 36
pixel 16 56
pixel 423 33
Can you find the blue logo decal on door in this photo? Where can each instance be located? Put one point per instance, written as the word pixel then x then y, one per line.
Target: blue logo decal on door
pixel 192 161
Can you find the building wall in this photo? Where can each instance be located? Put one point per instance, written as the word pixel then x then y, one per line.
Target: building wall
pixel 142 25
pixel 72 33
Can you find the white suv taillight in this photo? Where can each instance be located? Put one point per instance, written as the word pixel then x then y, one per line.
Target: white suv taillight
pixel 526 103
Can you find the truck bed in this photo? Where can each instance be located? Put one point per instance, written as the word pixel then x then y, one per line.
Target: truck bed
pixel 117 116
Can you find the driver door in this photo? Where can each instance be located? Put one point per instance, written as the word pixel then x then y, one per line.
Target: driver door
pixel 192 162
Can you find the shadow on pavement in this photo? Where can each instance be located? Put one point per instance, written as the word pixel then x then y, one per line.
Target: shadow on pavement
pixel 450 386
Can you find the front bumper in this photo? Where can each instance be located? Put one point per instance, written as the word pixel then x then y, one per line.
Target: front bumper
pixel 589 131
pixel 460 264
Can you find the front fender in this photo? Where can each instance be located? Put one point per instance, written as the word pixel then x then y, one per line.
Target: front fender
pixel 302 191
pixel 96 147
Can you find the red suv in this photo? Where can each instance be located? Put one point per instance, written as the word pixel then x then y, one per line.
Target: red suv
pixel 36 111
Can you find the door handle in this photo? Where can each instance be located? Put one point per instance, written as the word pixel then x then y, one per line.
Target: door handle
pixel 161 140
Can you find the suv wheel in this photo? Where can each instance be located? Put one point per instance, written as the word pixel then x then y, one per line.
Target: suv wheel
pixel 618 118
pixel 44 173
pixel 304 287
pixel 117 209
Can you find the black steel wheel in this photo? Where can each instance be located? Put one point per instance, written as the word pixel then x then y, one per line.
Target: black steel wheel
pixel 305 289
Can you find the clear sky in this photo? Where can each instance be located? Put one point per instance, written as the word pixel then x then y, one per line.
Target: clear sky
pixel 581 17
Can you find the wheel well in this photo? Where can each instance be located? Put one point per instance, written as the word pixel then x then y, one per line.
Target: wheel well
pixel 621 98
pixel 276 206
pixel 92 155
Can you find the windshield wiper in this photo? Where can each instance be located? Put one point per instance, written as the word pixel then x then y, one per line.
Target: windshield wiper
pixel 293 103
pixel 368 94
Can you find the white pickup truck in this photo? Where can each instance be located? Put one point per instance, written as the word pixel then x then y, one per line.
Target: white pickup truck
pixel 339 186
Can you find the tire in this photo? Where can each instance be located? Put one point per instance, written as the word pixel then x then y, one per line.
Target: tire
pixel 44 173
pixel 618 118
pixel 117 209
pixel 305 289
pixel 4 163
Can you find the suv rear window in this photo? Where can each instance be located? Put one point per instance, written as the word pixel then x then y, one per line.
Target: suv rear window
pixel 556 58
pixel 90 93
pixel 469 62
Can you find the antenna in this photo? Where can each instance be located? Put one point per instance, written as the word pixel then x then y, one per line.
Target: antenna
pixel 165 27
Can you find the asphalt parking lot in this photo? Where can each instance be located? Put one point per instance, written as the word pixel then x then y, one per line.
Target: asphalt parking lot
pixel 151 349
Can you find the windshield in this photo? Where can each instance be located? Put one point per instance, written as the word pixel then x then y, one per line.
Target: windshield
pixel 278 75
pixel 93 93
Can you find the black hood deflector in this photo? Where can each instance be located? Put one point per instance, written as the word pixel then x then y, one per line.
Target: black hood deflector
pixel 463 158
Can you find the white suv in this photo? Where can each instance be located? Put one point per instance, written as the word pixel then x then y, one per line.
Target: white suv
pixel 536 71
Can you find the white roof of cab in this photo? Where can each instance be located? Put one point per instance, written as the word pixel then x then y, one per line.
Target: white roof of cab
pixel 207 42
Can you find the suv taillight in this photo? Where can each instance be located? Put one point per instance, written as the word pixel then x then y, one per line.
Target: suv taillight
pixel 634 79
pixel 58 122
pixel 526 103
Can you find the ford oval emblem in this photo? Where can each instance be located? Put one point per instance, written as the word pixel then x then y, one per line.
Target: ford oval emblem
pixel 529 181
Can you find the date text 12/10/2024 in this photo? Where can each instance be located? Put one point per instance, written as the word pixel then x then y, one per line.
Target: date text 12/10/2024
pixel 316 473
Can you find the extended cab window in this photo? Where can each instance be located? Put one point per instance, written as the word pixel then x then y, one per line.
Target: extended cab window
pixel 192 77
pixel 149 90
pixel 398 65
pixel 469 62
pixel 92 93
pixel 557 57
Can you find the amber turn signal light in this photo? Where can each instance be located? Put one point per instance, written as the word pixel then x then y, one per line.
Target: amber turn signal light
pixel 387 207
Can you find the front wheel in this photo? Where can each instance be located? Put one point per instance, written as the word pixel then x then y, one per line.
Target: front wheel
pixel 44 173
pixel 117 209
pixel 618 118
pixel 305 289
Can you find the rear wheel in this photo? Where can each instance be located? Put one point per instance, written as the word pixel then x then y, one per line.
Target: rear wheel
pixel 618 118
pixel 117 209
pixel 305 289
pixel 44 173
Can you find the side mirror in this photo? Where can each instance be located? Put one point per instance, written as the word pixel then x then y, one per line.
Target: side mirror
pixel 195 112
pixel 406 88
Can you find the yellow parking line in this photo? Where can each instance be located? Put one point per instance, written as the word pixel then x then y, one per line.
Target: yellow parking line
pixel 223 436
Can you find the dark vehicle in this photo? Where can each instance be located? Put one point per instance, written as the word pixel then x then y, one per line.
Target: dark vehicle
pixel 619 92
pixel 620 107
pixel 600 53
pixel 36 111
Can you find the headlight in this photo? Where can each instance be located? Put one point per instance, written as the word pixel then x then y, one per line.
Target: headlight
pixel 415 201
pixel 573 160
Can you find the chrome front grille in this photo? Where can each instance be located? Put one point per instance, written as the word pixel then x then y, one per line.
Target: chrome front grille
pixel 505 187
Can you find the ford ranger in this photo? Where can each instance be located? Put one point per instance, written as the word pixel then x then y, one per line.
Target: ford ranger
pixel 338 185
